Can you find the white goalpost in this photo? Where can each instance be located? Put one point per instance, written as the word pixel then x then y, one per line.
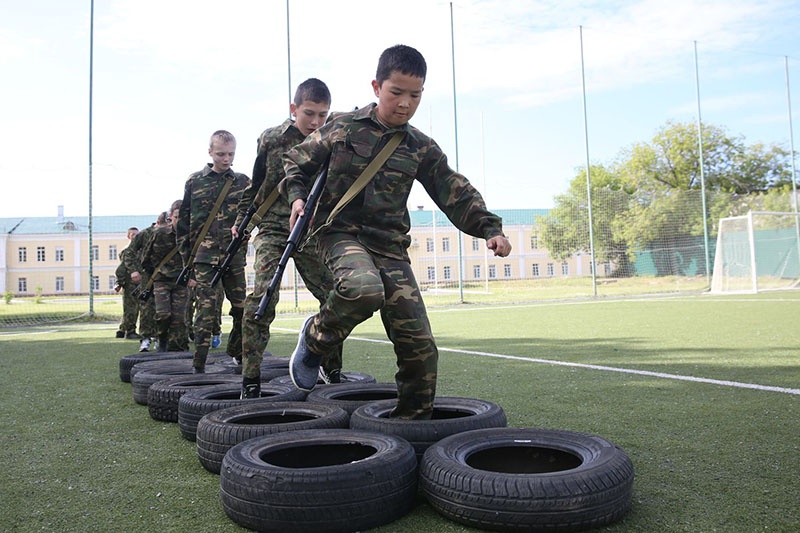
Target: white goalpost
pixel 757 252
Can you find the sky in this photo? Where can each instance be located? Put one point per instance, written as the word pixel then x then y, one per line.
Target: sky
pixel 519 94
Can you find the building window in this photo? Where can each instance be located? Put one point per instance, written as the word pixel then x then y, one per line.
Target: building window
pixel 112 282
pixel 507 270
pixel 447 272
pixel 476 245
pixel 95 253
pixel 534 242
pixel 59 254
pixel 551 269
pixel 565 269
pixel 476 271
pixel 40 255
pixel 429 244
pixel 492 272
pixel 431 273
pixel 22 253
pixel 446 244
pixel 22 285
pixel 536 270
pixel 607 268
pixel 59 284
pixel 112 252
pixel 96 283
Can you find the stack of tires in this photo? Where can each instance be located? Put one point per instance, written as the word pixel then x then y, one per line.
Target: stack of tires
pixel 333 459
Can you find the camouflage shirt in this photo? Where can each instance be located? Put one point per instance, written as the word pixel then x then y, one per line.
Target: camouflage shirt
pixel 379 215
pixel 156 249
pixel 267 173
pixel 199 195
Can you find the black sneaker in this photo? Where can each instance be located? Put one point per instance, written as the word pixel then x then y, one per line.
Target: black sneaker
pixel 304 364
pixel 133 335
pixel 334 376
pixel 120 335
pixel 251 391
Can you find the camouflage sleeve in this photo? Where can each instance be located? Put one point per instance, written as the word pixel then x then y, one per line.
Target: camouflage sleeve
pixel 149 261
pixel 184 244
pixel 132 258
pixel 456 197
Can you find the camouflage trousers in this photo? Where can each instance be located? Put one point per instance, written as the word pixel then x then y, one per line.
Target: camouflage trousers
pixel 147 314
pixel 365 282
pixel 170 301
pixel 130 309
pixel 318 280
pixel 206 308
pixel 189 315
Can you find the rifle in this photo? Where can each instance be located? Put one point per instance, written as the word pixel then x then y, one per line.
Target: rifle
pixel 234 246
pixel 293 243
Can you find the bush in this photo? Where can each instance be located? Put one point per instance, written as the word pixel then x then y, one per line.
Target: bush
pixel 8 296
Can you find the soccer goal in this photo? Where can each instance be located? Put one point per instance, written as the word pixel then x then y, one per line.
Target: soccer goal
pixel 757 252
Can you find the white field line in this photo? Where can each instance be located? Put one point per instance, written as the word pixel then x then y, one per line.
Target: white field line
pixel 662 375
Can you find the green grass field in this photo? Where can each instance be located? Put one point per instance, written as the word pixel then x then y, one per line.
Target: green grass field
pixel 703 393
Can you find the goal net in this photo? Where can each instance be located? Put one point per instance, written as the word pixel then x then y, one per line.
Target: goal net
pixel 757 252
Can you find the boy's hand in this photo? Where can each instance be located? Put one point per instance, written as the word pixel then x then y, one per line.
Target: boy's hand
pixel 234 231
pixel 136 277
pixel 297 212
pixel 500 245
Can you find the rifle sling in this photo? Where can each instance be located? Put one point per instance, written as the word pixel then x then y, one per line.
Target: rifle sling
pixel 262 209
pixel 163 262
pixel 202 235
pixel 363 179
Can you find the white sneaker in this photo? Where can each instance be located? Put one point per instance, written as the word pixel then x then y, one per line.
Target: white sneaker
pixel 145 345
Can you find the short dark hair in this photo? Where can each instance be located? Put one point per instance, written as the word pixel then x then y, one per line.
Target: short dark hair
pixel 162 218
pixel 133 228
pixel 175 205
pixel 313 90
pixel 403 59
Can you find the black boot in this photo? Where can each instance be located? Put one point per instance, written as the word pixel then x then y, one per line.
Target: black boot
pixel 251 388
pixel 163 334
pixel 199 360
pixel 234 347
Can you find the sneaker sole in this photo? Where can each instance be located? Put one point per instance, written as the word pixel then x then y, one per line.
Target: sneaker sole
pixel 294 355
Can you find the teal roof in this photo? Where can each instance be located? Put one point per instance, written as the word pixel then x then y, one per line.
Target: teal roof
pixel 121 223
pixel 67 225
pixel 421 218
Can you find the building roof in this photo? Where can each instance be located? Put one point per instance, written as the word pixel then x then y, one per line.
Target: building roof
pixel 72 225
pixel 120 223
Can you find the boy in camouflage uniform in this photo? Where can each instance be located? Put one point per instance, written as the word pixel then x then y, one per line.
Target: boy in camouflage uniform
pixel 365 246
pixel 169 298
pixel 200 194
pixel 130 303
pixel 133 261
pixel 312 101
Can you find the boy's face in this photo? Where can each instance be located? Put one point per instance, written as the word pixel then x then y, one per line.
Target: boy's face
pixel 222 154
pixel 309 116
pixel 398 98
pixel 173 217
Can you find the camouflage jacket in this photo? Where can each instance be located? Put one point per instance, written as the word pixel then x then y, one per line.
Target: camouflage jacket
pixel 379 215
pixel 156 249
pixel 122 273
pixel 267 173
pixel 133 257
pixel 199 195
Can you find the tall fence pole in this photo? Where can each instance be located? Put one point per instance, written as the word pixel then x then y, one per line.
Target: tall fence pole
pixel 791 153
pixel 91 85
pixel 702 166
pixel 455 128
pixel 593 264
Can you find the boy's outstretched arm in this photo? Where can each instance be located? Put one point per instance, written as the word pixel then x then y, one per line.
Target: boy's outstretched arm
pixel 500 245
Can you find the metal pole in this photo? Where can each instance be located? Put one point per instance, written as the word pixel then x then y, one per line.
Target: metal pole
pixel 483 172
pixel 702 169
pixel 455 127
pixel 288 55
pixel 791 153
pixel 91 84
pixel 592 264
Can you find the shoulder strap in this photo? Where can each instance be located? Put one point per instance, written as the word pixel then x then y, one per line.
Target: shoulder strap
pixel 365 176
pixel 262 209
pixel 163 262
pixel 222 193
